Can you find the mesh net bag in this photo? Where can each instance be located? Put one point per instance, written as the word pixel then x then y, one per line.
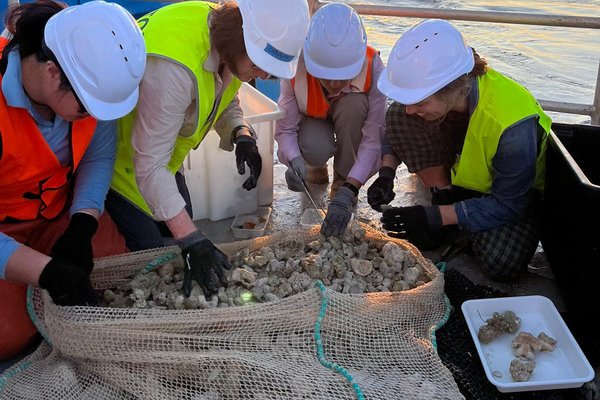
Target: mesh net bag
pixel 319 344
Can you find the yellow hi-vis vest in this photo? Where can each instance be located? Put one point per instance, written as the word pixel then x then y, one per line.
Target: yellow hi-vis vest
pixel 177 32
pixel 502 103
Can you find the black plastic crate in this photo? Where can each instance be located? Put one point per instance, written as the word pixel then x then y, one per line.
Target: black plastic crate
pixel 571 232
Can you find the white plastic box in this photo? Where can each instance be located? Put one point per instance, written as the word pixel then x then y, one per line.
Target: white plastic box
pixel 565 367
pixel 312 217
pixel 211 173
pixel 258 221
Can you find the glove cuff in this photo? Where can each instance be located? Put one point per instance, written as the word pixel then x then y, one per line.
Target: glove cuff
pixel 238 128
pixel 387 172
pixel 58 274
pixel 191 239
pixel 294 161
pixel 351 187
pixel 46 279
pixel 84 223
pixel 434 217
pixel 345 192
pixel 245 139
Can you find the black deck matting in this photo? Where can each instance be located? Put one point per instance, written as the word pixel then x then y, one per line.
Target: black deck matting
pixel 459 355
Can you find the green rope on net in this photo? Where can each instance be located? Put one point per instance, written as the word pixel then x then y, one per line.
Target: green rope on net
pixel 441 266
pixel 33 315
pixel 12 372
pixel 321 353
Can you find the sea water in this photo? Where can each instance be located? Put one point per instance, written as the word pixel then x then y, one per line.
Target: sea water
pixel 554 63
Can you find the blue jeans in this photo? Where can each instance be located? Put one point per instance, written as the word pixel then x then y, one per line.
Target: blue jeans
pixel 141 231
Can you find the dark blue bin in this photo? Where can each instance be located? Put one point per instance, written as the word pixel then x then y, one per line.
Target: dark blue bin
pixel 268 87
pixel 136 8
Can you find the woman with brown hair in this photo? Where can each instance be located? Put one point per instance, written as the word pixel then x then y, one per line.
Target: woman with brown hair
pixel 474 137
pixel 198 55
pixel 57 148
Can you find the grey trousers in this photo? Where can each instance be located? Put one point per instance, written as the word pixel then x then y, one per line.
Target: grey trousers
pixel 338 136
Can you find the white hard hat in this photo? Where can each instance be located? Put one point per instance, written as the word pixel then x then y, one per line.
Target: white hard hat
pixel 336 44
pixel 101 50
pixel 274 31
pixel 426 58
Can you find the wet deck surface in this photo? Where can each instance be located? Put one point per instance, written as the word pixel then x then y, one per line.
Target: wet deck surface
pixel 288 207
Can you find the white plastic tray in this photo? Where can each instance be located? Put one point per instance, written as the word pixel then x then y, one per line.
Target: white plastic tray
pixel 260 219
pixel 312 217
pixel 565 367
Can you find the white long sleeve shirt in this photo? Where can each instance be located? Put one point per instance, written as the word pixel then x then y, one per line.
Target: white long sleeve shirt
pixel 167 107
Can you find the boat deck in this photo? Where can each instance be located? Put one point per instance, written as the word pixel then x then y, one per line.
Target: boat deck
pixel 288 207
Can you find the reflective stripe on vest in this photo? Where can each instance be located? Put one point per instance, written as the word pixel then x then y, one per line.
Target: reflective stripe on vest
pixel 502 103
pixel 33 182
pixel 312 100
pixel 177 32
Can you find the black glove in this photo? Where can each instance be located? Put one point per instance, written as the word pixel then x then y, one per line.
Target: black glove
pixel 202 261
pixel 338 213
pixel 67 284
pixel 246 151
pixel 75 245
pixel 382 190
pixel 419 225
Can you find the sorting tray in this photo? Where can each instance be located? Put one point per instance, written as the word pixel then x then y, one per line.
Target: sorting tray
pixel 310 217
pixel 565 367
pixel 255 222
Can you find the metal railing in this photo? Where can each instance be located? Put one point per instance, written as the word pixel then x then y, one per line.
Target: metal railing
pixel 592 110
pixel 567 21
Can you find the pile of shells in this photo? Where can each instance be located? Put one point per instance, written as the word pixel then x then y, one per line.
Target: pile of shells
pixel 350 264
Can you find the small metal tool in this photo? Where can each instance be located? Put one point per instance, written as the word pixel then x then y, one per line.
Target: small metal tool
pixel 308 194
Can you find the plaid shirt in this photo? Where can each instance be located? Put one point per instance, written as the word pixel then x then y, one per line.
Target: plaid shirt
pixel 422 144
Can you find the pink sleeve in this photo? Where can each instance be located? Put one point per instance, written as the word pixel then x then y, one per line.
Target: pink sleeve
pixel 286 128
pixel 368 158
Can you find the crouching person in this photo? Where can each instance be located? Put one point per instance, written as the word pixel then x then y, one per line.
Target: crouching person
pixel 474 137
pixel 333 109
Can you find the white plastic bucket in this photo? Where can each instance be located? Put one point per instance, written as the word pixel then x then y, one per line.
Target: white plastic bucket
pixel 211 173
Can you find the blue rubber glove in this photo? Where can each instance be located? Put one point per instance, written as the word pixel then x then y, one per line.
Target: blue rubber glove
pixel 203 262
pixel 294 182
pixel 246 151
pixel 338 213
pixel 419 225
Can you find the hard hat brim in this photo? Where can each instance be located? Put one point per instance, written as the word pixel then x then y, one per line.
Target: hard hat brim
pixel 341 74
pixel 267 63
pixel 408 96
pixel 401 95
pixel 104 111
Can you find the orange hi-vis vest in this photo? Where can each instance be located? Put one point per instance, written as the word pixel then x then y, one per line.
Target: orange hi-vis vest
pixel 312 100
pixel 33 183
